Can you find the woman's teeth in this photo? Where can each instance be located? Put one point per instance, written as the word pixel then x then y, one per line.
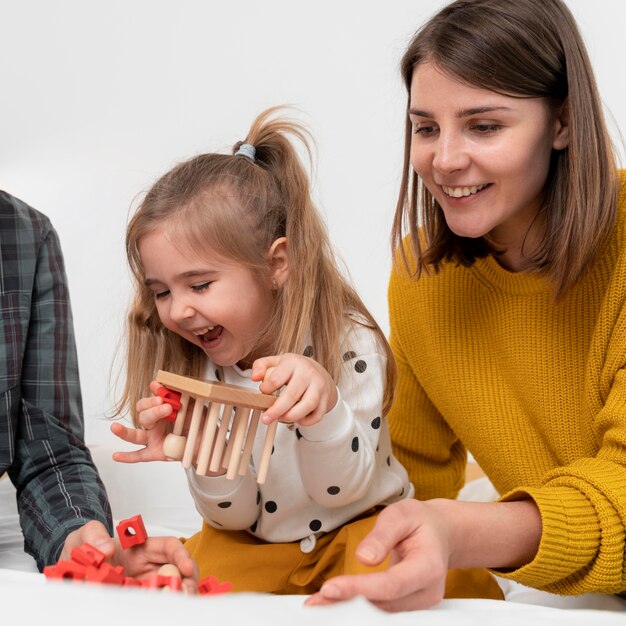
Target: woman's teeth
pixel 461 192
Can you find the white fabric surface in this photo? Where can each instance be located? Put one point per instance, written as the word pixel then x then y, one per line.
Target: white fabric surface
pixel 65 603
pixel 158 492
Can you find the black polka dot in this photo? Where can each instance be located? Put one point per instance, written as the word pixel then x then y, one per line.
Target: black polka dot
pixel 272 449
pixel 348 355
pixel 224 505
pixel 334 490
pixel 389 461
pixel 218 375
pixel 377 448
pixel 298 434
pixel 376 423
pixel 315 525
pixel 253 527
pixel 258 497
pixel 360 366
pixel 308 351
pixel 355 444
pixel 271 506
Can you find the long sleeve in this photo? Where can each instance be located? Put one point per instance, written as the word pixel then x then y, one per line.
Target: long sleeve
pixel 58 487
pixel 339 456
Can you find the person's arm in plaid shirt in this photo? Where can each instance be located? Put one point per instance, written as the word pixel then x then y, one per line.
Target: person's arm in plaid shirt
pixel 58 487
pixel 61 499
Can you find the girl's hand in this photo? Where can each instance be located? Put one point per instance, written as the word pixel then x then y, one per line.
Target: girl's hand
pixel 309 391
pixel 151 413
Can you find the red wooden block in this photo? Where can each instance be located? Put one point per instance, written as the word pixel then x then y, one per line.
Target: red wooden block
pixel 210 586
pixel 88 555
pixel 68 570
pixel 131 532
pixel 129 581
pixel 173 399
pixel 157 581
pixel 106 574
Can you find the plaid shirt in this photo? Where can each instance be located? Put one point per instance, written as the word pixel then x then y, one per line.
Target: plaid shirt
pixel 41 420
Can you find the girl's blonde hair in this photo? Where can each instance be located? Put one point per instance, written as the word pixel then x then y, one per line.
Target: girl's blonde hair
pixel 238 207
pixel 529 49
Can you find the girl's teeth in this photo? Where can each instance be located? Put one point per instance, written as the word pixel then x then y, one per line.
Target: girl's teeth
pixel 203 331
pixel 461 192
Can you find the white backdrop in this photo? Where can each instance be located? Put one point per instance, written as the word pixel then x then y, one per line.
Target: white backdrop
pixel 99 98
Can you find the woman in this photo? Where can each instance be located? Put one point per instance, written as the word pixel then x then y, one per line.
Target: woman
pixel 507 313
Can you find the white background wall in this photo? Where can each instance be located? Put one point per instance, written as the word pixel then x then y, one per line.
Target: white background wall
pixel 99 98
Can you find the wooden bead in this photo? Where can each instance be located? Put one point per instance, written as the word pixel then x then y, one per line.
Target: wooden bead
pixel 174 447
pixel 169 569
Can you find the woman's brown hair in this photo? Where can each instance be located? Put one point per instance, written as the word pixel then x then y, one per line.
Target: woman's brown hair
pixel 528 49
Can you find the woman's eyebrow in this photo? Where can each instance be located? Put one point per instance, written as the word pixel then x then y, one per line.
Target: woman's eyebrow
pixel 463 112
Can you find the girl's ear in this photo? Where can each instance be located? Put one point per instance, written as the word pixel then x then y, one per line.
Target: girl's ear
pixel 561 127
pixel 278 261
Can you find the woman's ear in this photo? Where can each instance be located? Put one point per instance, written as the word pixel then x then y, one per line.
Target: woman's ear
pixel 278 261
pixel 561 127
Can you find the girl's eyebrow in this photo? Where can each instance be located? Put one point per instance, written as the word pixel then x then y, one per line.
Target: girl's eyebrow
pixel 462 112
pixel 191 274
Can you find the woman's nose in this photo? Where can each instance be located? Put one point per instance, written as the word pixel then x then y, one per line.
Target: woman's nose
pixel 450 153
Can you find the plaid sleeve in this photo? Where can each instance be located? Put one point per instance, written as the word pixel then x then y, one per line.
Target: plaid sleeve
pixel 57 483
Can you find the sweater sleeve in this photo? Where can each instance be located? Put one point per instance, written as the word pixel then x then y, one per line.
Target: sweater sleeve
pixel 422 440
pixel 340 450
pixel 583 513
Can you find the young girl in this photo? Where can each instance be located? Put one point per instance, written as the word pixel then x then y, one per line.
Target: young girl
pixel 235 275
pixel 508 313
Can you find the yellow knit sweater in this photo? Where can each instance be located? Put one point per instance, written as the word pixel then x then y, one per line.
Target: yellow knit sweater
pixel 536 391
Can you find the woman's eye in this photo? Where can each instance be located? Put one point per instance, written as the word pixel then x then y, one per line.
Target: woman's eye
pixel 159 295
pixel 486 129
pixel 423 129
pixel 200 288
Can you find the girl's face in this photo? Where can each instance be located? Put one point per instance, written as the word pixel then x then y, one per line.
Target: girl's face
pixel 213 302
pixel 482 155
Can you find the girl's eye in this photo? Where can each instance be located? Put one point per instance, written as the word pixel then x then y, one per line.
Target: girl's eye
pixel 200 288
pixel 159 295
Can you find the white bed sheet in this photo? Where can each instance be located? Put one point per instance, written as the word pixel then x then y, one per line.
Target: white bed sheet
pixel 158 492
pixel 52 603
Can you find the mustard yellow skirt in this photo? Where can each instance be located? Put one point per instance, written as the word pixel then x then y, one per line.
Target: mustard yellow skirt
pixel 251 564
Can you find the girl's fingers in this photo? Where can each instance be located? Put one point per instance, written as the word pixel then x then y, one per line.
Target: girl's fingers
pixel 131 435
pixel 150 417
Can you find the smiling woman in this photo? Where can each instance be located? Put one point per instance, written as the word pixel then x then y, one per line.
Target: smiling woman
pixel 507 308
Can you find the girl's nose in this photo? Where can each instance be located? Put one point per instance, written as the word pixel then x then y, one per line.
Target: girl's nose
pixel 450 153
pixel 180 310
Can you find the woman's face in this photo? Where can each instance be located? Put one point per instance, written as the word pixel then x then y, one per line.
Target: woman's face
pixel 482 155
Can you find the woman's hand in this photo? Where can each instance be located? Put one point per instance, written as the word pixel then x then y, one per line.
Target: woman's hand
pixel 427 538
pixel 151 412
pixel 309 391
pixel 416 536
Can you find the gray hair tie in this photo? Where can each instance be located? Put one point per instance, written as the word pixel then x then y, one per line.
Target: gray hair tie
pixel 247 150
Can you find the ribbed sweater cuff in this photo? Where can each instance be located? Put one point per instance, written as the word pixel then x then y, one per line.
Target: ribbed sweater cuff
pixel 569 537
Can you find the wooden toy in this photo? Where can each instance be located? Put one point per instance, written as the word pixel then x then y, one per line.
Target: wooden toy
pixel 223 424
